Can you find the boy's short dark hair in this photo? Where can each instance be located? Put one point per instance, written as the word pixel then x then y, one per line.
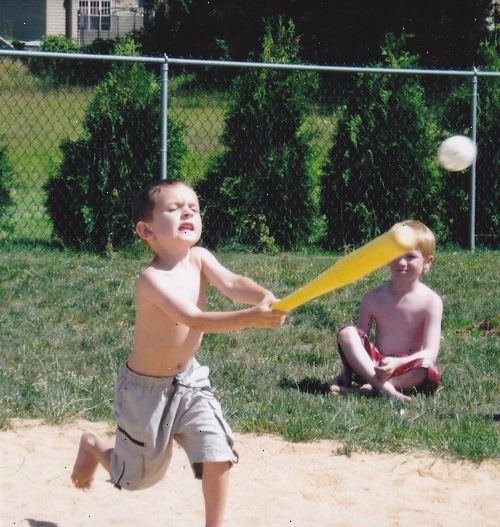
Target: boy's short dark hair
pixel 143 203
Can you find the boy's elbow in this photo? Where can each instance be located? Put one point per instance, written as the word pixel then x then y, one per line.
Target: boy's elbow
pixel 193 320
pixel 198 324
pixel 203 321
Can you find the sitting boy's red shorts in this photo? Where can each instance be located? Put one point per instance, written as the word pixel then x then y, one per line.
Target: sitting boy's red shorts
pixel 429 385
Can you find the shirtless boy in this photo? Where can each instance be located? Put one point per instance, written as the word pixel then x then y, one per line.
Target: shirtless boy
pixel 162 392
pixel 407 316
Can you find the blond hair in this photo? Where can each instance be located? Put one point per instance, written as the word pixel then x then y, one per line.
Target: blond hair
pixel 426 241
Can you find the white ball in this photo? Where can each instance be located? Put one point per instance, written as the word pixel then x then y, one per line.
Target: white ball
pixel 456 153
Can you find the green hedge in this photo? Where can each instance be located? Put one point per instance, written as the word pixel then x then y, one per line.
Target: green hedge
pixel 89 197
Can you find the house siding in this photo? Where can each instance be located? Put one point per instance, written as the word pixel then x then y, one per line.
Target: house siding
pixel 38 18
pixel 125 4
pixel 56 17
pixel 72 19
pixel 126 16
pixel 24 23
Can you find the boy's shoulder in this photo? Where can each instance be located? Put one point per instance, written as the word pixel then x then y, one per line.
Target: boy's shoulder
pixel 377 292
pixel 429 294
pixel 148 277
pixel 198 252
pixel 384 291
pixel 154 271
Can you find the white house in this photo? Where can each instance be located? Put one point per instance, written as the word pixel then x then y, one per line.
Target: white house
pixel 80 20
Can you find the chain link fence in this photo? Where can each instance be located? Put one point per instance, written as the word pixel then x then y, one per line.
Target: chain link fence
pixel 368 130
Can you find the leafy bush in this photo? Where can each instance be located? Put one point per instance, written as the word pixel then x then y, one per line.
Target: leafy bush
pixel 488 161
pixel 88 199
pixel 5 182
pixel 55 71
pixel 258 193
pixel 381 167
pixel 60 71
pixel 18 45
pixel 456 119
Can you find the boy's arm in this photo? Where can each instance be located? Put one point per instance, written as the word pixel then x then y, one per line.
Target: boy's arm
pixel 431 338
pixel 365 317
pixel 179 309
pixel 238 288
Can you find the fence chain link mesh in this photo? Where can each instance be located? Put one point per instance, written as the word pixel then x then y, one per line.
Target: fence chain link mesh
pixel 44 103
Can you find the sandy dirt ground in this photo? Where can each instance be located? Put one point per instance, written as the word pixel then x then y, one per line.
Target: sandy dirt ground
pixel 275 484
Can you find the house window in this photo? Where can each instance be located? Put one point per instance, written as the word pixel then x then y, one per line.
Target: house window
pixel 94 15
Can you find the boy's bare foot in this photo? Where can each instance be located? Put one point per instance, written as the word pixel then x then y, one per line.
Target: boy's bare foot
pixel 390 391
pixel 341 384
pixel 367 389
pixel 336 389
pixel 86 462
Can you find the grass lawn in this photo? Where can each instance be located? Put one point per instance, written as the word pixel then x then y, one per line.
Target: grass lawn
pixel 33 122
pixel 66 328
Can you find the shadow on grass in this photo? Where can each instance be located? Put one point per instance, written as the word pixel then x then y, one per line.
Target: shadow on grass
pixel 306 385
pixel 29 243
pixel 486 416
pixel 38 523
pixel 136 249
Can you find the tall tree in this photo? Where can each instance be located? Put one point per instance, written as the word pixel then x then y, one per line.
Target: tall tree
pixel 447 32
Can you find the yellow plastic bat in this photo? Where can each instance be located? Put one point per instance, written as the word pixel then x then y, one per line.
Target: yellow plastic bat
pixel 375 254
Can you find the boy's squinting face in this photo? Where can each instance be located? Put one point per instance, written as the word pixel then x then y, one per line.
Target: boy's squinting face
pixel 411 265
pixel 176 215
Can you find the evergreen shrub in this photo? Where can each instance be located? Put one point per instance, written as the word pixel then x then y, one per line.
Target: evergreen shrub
pixel 381 166
pixel 259 192
pixel 89 197
pixel 61 71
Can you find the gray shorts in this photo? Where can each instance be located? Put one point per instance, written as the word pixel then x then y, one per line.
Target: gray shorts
pixel 153 411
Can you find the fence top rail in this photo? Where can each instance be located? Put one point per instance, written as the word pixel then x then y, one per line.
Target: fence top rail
pixel 84 56
pixel 340 69
pixel 234 64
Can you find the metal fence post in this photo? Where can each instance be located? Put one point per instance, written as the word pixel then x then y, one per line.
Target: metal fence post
pixel 472 192
pixel 163 117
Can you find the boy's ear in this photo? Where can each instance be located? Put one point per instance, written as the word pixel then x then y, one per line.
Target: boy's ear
pixel 144 231
pixel 428 262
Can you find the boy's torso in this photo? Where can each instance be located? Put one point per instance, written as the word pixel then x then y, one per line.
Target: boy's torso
pixel 400 320
pixel 162 345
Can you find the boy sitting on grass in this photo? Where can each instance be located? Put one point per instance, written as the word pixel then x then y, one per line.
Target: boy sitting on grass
pixel 162 392
pixel 407 316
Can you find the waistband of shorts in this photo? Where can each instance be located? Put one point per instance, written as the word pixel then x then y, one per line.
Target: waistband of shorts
pixel 147 380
